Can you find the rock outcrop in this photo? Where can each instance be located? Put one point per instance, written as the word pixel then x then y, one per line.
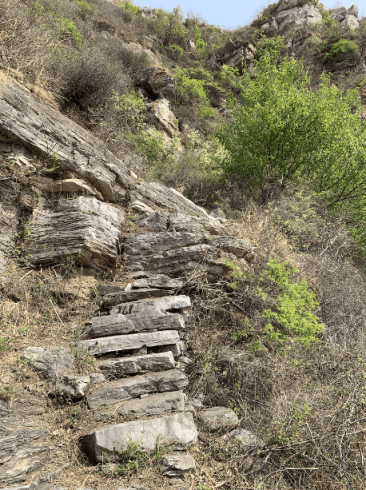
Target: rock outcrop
pixel 157 82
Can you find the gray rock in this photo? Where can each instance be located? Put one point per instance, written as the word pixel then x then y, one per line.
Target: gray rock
pixel 34 120
pixel 157 82
pixel 54 475
pixel 18 467
pixel 177 464
pixel 24 404
pixel 73 185
pixel 50 362
pixel 96 378
pixel 178 429
pixel 155 404
pixel 156 281
pixel 218 418
pixel 16 440
pixel 244 437
pixel 165 304
pixel 133 486
pixel 74 387
pixel 162 117
pixel 9 220
pixel 128 342
pixel 156 194
pixel 94 207
pixel 93 240
pixel 133 365
pixel 153 221
pixel 193 224
pixel 150 320
pixel 234 54
pixel 136 386
pixel 134 295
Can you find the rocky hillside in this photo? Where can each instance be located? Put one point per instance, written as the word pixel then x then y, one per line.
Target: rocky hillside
pixel 135 349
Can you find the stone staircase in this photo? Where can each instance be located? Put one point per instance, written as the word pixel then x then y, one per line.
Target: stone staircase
pixel 143 380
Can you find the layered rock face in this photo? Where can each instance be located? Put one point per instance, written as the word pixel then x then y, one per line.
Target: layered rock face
pixel 137 336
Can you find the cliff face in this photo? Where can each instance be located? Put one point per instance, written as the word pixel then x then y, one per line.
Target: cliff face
pixel 132 319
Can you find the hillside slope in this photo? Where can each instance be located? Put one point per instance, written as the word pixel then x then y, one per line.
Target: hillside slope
pixel 163 325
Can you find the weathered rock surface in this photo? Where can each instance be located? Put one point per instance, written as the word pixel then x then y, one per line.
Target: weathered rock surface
pixel 129 342
pixel 156 194
pixel 156 404
pixel 56 236
pixel 93 207
pixel 22 463
pixel 162 117
pixel 152 320
pixel 234 54
pixel 120 367
pixel 218 418
pixel 50 362
pixel 73 185
pixel 9 219
pixel 74 387
pixel 176 429
pixel 174 253
pixel 165 304
pixel 136 386
pixel 16 440
pixel 157 82
pixel 134 295
pixel 193 224
pixel 40 127
pixel 176 464
pixel 143 280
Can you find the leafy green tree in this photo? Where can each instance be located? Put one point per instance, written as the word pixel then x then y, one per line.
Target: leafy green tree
pixel 281 130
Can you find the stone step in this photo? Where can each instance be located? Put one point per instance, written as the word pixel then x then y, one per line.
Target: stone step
pixel 164 304
pixel 119 368
pixel 134 295
pixel 152 320
pixel 136 386
pixel 178 429
pixel 156 404
pixel 120 343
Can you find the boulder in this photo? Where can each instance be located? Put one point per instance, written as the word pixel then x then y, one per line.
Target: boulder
pixel 157 82
pixel 350 21
pixel 119 368
pixel 74 387
pixel 178 429
pixel 234 54
pixel 162 117
pixel 93 240
pixel 73 185
pixel 134 295
pixel 298 18
pixel 28 117
pixel 135 386
pixel 218 418
pixel 176 464
pixel 121 343
pixel 51 362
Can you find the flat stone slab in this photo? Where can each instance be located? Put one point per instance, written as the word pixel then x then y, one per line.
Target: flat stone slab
pixel 120 343
pixel 23 462
pixel 136 386
pixel 243 437
pixel 134 295
pixel 165 304
pixel 156 404
pixel 118 368
pixel 150 320
pixel 216 418
pixel 176 429
pixel 176 464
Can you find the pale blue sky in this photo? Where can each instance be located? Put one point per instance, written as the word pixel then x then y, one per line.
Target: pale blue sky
pixel 229 14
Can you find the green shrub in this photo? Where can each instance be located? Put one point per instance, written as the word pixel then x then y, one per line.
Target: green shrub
pixel 327 19
pixel 260 21
pixel 129 6
pixel 85 8
pixel 129 108
pixel 168 26
pixel 67 25
pixel 340 50
pixel 292 318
